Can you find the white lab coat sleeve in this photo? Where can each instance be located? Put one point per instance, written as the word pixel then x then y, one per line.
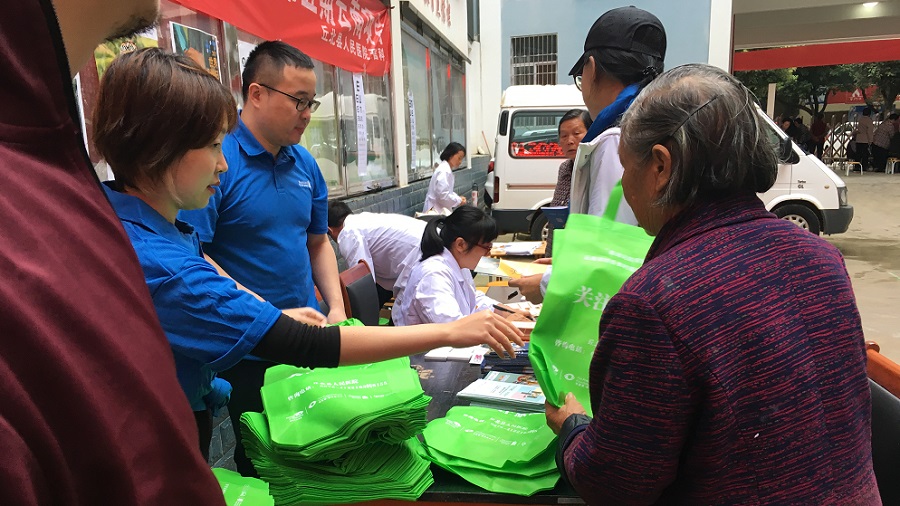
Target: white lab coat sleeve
pixel 483 302
pixel 434 300
pixel 443 187
pixel 353 248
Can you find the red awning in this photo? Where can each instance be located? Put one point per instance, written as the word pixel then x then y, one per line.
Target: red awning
pixel 354 36
pixel 818 55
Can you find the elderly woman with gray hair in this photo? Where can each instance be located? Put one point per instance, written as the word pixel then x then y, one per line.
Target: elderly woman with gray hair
pixel 730 368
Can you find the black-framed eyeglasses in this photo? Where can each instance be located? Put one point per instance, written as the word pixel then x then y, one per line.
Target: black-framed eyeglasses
pixel 302 103
pixel 578 81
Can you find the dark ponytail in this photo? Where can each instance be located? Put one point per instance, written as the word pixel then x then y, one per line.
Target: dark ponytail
pixel 469 222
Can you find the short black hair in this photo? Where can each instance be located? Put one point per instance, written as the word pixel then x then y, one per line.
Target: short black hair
pixel 268 59
pixel 571 114
pixel 867 111
pixel 337 213
pixel 799 120
pixel 452 149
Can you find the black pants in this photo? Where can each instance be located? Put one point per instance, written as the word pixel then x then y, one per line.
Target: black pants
pixel 862 155
pixel 384 295
pixel 246 379
pixel 879 157
pixel 204 427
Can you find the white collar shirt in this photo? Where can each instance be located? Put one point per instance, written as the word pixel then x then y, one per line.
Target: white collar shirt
pixel 440 197
pixel 383 241
pixel 438 291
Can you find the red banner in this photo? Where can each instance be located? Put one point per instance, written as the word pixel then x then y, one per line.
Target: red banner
pixel 354 35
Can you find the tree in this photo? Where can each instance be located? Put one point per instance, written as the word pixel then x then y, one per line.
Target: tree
pixel 883 75
pixel 815 85
pixel 807 88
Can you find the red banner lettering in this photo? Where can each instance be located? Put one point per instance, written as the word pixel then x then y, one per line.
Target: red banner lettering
pixel 351 34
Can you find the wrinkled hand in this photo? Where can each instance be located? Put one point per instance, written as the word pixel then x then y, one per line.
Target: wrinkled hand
pixel 529 287
pixel 557 416
pixel 306 315
pixel 485 327
pixel 336 316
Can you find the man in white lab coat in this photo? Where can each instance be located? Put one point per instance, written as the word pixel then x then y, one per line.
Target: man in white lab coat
pixel 384 241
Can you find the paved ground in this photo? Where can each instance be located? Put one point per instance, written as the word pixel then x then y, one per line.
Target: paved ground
pixel 871 248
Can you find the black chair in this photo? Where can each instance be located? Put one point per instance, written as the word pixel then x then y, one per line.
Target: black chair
pixel 886 443
pixel 361 292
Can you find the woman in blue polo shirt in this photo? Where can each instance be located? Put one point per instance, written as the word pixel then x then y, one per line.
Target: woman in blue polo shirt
pixel 159 123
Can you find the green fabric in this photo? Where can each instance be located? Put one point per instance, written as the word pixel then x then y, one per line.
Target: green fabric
pixel 240 491
pixel 340 435
pixel 500 451
pixel 592 257
pixel 383 401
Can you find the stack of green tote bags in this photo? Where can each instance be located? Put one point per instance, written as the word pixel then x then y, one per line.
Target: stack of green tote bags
pixel 340 435
pixel 500 451
pixel 240 491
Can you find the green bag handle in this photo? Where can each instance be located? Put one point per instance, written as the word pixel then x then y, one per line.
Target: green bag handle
pixel 615 198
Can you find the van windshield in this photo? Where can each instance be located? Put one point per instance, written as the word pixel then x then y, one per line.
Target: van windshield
pixel 535 134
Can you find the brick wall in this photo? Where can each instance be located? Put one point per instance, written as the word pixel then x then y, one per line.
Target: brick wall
pixel 406 201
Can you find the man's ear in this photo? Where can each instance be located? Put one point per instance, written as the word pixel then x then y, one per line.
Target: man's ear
pixel 254 93
pixel 661 166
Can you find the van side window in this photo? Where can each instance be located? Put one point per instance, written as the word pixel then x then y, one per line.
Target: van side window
pixel 535 134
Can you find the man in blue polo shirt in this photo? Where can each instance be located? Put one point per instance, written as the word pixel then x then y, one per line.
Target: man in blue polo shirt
pixel 266 224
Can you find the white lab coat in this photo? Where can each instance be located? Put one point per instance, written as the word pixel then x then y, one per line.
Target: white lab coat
pixel 440 197
pixel 438 291
pixel 383 241
pixel 596 171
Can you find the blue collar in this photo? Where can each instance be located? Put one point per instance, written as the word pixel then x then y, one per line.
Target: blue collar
pixel 252 147
pixel 134 210
pixel 610 114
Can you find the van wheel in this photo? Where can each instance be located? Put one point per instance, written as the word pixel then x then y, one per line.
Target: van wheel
pixel 540 229
pixel 801 216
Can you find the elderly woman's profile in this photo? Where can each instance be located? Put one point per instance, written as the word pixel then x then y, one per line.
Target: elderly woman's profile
pixel 730 368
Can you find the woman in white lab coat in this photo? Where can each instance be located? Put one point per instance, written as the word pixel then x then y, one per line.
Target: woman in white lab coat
pixel 440 288
pixel 441 198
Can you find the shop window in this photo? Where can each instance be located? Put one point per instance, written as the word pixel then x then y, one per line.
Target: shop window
pixel 371 167
pixel 416 90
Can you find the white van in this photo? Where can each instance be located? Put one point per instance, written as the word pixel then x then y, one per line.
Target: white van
pixel 527 155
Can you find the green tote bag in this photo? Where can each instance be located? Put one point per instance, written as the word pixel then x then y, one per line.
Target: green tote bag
pixel 592 258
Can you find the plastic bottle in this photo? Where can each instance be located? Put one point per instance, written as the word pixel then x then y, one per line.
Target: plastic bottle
pixel 474 199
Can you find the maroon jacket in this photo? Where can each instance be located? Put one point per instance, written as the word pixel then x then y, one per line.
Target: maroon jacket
pixel 730 370
pixel 90 409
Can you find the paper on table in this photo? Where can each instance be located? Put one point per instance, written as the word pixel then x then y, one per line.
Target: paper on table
pixel 517 248
pixel 513 269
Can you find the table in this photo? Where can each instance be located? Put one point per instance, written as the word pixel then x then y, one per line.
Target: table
pixel 441 380
pixel 538 252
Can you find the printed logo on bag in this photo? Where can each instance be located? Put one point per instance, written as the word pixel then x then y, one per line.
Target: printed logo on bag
pixel 586 296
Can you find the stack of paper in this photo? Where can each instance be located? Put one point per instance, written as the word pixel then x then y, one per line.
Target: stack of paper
pixel 502 390
pixel 497 450
pixel 339 435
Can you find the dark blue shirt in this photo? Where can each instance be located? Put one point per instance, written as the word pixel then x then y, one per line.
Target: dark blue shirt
pixel 210 323
pixel 256 224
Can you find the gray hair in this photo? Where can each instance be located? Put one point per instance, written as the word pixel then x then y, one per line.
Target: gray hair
pixel 708 121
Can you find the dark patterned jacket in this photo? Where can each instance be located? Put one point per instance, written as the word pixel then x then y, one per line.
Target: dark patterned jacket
pixel 730 370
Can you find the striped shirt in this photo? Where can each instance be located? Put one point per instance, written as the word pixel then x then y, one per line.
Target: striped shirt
pixel 730 370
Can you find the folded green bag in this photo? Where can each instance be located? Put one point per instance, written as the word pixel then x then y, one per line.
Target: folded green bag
pixel 241 491
pixel 592 257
